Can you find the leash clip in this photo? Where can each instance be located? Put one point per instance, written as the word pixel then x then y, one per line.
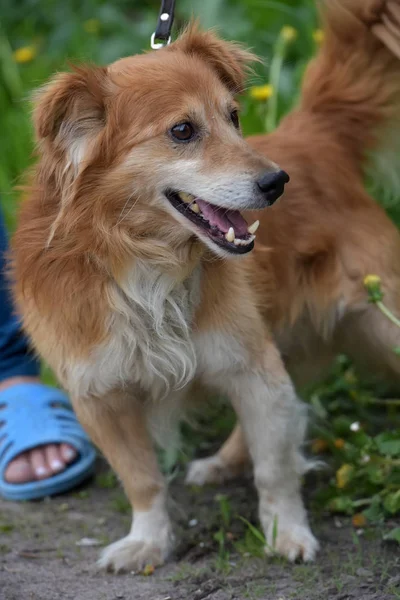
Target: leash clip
pixel 157 45
pixel 162 35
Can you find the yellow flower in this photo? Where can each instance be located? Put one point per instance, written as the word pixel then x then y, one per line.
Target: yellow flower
pixel 318 446
pixel 339 443
pixel 359 520
pixel 318 36
pixel 288 33
pixel 25 54
pixel 91 26
pixel 261 92
pixel 372 284
pixel 148 570
pixel 344 475
pixel 372 280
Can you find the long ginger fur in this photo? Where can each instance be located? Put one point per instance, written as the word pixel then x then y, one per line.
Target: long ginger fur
pixel 131 304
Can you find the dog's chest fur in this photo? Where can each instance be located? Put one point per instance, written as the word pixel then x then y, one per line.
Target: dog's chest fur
pixel 150 336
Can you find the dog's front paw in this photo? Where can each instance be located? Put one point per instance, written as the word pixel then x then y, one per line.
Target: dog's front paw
pixel 133 555
pixel 295 542
pixel 210 470
pixel 206 470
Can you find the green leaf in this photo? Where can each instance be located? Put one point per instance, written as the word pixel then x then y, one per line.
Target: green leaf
pixel 392 502
pixel 376 474
pixel 388 443
pixel 360 439
pixel 219 537
pixel 342 504
pixel 393 535
pixel 250 545
pixel 256 532
pixel 341 426
pixel 225 508
pixel 275 531
pixel 374 513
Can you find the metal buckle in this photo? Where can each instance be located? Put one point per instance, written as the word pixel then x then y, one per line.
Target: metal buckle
pixel 157 45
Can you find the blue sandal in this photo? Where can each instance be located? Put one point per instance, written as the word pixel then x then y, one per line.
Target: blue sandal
pixel 31 415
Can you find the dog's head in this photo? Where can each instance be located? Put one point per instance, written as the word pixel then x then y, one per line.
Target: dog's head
pixel 151 146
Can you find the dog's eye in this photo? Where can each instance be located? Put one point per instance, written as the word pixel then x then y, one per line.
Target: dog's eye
pixel 183 132
pixel 235 118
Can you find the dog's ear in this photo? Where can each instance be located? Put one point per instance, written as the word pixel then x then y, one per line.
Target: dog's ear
pixel 229 59
pixel 71 106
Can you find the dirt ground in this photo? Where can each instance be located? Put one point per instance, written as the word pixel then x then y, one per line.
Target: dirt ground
pixel 40 558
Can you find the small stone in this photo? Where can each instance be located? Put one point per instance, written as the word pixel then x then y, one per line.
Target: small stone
pixel 360 532
pixel 338 523
pixel 85 541
pixel 361 572
pixel 76 516
pixel 193 522
pixel 348 579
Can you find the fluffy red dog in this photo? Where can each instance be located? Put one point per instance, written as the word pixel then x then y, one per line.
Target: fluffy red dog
pixel 123 254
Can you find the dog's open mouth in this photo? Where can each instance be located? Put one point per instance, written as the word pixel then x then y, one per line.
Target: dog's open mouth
pixel 226 228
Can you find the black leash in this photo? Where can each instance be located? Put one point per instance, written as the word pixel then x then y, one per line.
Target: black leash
pixel 162 35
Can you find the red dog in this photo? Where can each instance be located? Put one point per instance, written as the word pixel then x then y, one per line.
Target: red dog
pixel 122 255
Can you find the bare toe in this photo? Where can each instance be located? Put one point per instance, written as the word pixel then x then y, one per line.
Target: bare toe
pixel 54 458
pixel 19 470
pixel 68 453
pixel 37 458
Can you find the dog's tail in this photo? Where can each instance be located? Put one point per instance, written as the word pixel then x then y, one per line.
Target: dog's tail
pixel 354 82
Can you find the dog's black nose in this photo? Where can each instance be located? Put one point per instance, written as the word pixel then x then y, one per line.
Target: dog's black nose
pixel 272 184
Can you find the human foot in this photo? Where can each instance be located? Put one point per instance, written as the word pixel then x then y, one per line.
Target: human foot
pixel 38 430
pixel 41 462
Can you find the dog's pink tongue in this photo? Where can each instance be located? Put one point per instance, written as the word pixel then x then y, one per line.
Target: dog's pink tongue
pixel 223 218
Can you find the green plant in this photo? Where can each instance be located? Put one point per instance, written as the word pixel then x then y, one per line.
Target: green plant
pixel 107 480
pixel 366 463
pixel 221 536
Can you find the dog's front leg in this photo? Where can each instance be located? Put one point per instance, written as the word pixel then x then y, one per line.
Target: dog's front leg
pixel 117 425
pixel 274 424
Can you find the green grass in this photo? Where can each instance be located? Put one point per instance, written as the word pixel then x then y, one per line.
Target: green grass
pixel 57 33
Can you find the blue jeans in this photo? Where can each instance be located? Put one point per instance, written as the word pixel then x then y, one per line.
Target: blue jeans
pixel 16 358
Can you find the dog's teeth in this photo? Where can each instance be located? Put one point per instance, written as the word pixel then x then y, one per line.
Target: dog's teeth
pixel 230 236
pixel 253 228
pixel 241 242
pixel 185 197
pixel 195 208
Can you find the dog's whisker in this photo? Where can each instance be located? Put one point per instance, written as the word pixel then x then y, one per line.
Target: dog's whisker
pixel 122 215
